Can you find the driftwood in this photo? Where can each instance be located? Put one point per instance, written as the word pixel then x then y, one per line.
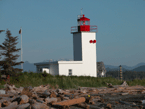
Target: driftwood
pixel 130 104
pixel 70 102
pixel 44 98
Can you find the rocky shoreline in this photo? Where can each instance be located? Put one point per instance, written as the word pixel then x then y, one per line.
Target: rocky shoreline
pixel 42 97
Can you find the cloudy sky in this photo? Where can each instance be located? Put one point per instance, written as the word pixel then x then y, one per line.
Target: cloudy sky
pixel 46 28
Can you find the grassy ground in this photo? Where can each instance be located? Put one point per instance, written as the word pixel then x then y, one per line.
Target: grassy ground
pixel 65 82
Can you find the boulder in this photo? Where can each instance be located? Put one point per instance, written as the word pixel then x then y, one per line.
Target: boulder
pixel 53 94
pixel 24 99
pixel 48 100
pixel 11 106
pixel 19 90
pixel 46 93
pixel 59 91
pixel 2 92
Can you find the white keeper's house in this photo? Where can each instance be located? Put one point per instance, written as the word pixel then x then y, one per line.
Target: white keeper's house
pixel 84 51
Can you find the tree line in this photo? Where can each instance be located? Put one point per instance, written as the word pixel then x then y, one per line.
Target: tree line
pixel 127 75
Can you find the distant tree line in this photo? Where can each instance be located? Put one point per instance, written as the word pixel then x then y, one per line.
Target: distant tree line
pixel 127 75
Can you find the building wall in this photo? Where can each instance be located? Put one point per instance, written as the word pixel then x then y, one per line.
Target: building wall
pixel 40 68
pixel 76 69
pixel 45 70
pixel 87 51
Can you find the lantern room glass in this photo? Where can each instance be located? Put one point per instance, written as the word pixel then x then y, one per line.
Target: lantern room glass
pixel 83 23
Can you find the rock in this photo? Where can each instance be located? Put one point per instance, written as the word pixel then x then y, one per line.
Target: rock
pixel 10 87
pixel 39 89
pixel 46 93
pixel 53 94
pixel 48 100
pixel 31 101
pixel 101 100
pixel 66 98
pixel 2 92
pixel 23 106
pixel 109 106
pixel 83 91
pixel 24 99
pixel 142 101
pixel 27 92
pixel 11 106
pixel 11 91
pixel 59 91
pixel 41 101
pixel 19 90
pixel 39 106
pixel 6 103
pixel 58 99
pixel 30 88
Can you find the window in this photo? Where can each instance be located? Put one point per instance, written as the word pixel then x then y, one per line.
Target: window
pixel 87 23
pixel 70 72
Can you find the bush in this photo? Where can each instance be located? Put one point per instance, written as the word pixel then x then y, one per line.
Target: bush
pixel 25 73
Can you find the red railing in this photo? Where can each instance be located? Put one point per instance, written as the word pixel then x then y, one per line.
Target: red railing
pixel 93 28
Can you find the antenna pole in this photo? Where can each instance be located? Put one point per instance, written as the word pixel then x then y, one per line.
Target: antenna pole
pixel 21 51
pixel 81 11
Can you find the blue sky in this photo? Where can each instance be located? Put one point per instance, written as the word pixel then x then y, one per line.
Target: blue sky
pixel 46 28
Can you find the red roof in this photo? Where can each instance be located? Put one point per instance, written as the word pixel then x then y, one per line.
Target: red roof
pixel 84 19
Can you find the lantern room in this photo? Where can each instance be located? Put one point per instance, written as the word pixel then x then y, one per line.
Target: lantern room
pixel 83 24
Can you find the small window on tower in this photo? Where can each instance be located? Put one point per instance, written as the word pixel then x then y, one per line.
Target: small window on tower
pixel 70 72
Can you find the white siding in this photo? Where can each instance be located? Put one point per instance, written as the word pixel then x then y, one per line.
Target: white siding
pixel 76 69
pixel 84 56
pixel 45 69
pixel 89 53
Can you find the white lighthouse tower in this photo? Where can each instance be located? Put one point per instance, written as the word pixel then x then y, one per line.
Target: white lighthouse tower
pixel 84 51
pixel 84 44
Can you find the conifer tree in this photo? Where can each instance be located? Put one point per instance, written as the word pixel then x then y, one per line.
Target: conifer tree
pixel 9 47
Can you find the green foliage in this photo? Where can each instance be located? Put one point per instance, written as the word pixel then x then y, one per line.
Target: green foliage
pixel 127 75
pixel 66 82
pixel 26 73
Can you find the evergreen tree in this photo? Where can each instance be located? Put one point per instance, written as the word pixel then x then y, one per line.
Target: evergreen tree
pixel 0 58
pixel 9 47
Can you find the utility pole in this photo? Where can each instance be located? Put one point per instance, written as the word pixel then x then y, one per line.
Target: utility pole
pixel 20 32
pixel 120 72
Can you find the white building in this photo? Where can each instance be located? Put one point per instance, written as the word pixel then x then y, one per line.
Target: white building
pixel 84 49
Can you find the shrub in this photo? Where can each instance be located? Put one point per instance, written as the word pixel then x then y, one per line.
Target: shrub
pixel 25 73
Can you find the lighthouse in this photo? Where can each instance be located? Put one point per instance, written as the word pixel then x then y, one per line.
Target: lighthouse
pixel 84 44
pixel 84 53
